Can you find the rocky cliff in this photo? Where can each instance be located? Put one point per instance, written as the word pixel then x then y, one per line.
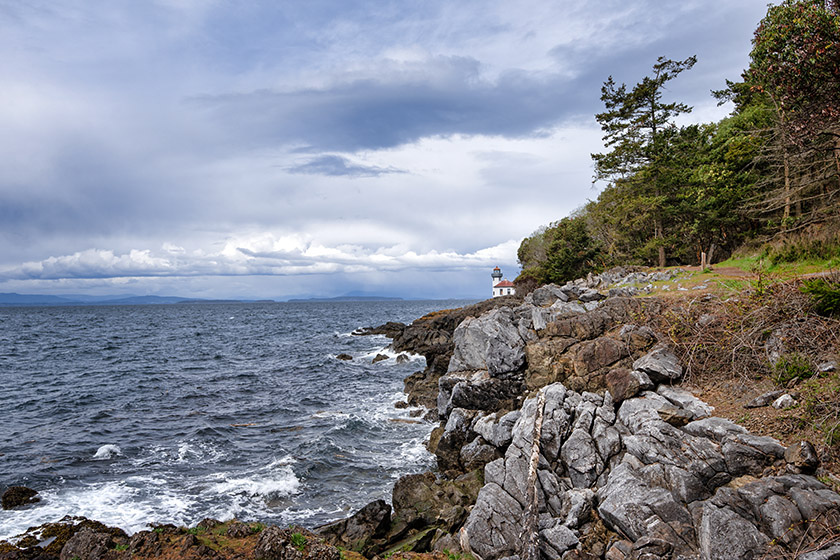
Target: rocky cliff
pixel 570 409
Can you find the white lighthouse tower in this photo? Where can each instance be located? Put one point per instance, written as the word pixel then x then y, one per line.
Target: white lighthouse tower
pixel 501 287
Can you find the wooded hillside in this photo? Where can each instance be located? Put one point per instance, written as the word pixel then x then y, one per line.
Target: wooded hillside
pixel 768 175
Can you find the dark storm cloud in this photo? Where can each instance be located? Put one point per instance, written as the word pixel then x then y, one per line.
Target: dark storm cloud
pixel 336 166
pixel 444 96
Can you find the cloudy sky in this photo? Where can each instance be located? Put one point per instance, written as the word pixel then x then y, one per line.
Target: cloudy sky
pixel 270 149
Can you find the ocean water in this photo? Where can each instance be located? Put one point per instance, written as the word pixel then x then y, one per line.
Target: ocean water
pixel 173 413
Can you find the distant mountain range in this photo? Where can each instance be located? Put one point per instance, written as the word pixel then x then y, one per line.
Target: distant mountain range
pixel 13 299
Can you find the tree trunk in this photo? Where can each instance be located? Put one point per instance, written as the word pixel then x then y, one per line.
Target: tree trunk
pixel 786 213
pixel 711 254
pixel 657 225
pixel 837 154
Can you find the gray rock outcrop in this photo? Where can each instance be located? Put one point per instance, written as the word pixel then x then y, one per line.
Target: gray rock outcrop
pixel 706 490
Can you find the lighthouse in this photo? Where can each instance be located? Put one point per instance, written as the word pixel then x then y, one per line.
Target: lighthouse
pixel 501 287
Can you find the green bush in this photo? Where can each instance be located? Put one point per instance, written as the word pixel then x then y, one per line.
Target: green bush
pixel 298 540
pixel 797 250
pixel 792 367
pixel 825 293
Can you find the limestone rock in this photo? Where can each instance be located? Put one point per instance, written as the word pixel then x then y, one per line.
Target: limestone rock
pixel 785 401
pixel 492 342
pixel 476 391
pixel 725 535
pixel 660 364
pixel 830 553
pixel 625 384
pixel 580 455
pixel 802 457
pixel 685 400
pixel 477 453
pixel 545 296
pixel 591 295
pixel 566 308
pixel 764 400
pixel 637 338
pixel 495 523
pixel 456 433
pixel 556 540
pixel 497 431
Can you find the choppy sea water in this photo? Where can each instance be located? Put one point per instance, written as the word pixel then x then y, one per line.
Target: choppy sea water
pixel 173 413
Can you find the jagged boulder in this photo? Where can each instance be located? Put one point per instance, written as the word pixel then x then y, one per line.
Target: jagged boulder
pixel 691 489
pixel 476 391
pixel 491 342
pixel 425 500
pixel 625 384
pixel 544 296
pixel 660 364
pixel 355 532
pixel 456 433
pixel 497 428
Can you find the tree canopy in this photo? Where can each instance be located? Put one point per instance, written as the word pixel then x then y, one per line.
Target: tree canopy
pixel 769 171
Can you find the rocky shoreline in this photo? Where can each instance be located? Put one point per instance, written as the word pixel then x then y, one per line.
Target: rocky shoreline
pixel 563 433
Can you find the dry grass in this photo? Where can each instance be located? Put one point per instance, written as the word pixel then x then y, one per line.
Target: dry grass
pixel 728 346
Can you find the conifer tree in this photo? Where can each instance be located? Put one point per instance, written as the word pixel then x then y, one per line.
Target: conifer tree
pixel 635 123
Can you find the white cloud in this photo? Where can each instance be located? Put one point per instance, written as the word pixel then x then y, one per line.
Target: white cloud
pixel 260 254
pixel 431 136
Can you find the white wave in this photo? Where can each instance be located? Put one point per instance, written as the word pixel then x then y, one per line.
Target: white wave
pixel 108 451
pixel 392 354
pixel 277 479
pixel 330 414
pixel 129 505
pixel 187 451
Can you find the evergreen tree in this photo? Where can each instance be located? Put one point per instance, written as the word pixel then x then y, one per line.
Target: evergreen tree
pixel 635 124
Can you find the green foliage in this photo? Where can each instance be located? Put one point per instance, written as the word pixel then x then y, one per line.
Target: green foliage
pixel 797 250
pixel 792 367
pixel 196 530
pixel 257 528
pixel 825 293
pixel 634 120
pixel 458 555
pixel 298 540
pixel 572 253
pixel 121 547
pixel 796 61
pixel 673 193
pixel 563 251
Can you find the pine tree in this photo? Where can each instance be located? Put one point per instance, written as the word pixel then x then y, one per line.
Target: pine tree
pixel 635 123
